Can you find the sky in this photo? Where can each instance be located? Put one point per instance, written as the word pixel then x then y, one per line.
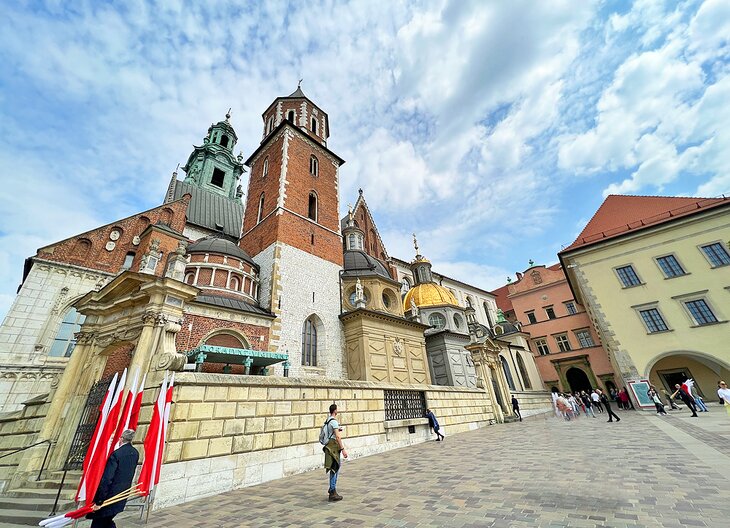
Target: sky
pixel 492 129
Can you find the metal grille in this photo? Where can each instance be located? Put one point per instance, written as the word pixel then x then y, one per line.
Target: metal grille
pixel 403 405
pixel 87 424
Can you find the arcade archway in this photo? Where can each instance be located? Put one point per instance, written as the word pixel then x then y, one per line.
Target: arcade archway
pixel 675 368
pixel 578 380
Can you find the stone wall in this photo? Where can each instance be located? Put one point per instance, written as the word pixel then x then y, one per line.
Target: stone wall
pixel 20 429
pixel 228 431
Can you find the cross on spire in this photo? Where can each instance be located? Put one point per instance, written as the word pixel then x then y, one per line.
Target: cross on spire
pixel 415 243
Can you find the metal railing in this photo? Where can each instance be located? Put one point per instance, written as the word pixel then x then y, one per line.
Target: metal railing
pixel 45 458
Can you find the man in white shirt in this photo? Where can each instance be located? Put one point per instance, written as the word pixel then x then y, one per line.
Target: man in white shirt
pixel 596 399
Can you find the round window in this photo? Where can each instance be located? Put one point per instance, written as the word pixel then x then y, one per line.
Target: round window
pixel 437 320
pixel 352 297
pixel 386 300
pixel 458 321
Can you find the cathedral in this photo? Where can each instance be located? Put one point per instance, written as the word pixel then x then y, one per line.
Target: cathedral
pixel 263 289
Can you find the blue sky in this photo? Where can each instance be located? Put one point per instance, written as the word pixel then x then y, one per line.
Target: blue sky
pixel 492 129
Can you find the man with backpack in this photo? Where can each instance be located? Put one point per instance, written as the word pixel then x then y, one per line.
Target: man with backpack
pixel 330 438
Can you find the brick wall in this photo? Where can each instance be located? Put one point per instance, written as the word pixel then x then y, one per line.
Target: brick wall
pixel 204 326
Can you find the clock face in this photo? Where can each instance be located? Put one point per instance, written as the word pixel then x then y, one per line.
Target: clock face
pixel 136 241
pixel 110 245
pixel 114 235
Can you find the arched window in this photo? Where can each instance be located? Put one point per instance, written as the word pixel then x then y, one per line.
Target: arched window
pixel 458 321
pixel 234 284
pixel 523 371
pixel 437 320
pixel 314 125
pixel 82 247
pixel 469 301
pixel 290 116
pixel 507 373
pixel 312 209
pixel 190 278
pixel 261 209
pixel 270 125
pixel 313 166
pixel 405 285
pixel 352 241
pixel 309 343
pixel 224 141
pixel 265 171
pixel 64 342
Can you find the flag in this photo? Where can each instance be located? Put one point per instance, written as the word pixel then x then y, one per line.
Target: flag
pixel 687 387
pixel 89 459
pixel 103 450
pixel 66 518
pixel 163 437
pixel 152 442
pixel 126 413
pixel 134 416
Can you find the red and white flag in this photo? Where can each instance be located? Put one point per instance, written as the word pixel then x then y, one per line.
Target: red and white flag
pixel 155 432
pixel 136 405
pixel 165 421
pixel 65 519
pixel 126 413
pixel 91 457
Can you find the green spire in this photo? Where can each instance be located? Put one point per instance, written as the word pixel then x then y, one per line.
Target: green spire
pixel 500 316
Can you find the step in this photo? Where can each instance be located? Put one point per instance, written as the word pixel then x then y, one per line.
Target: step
pixel 69 484
pixel 40 493
pixel 22 517
pixel 34 504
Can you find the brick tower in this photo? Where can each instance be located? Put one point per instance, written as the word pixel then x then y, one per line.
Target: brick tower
pixel 291 229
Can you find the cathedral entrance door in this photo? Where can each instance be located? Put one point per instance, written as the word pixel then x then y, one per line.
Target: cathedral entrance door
pixel 87 425
pixel 578 380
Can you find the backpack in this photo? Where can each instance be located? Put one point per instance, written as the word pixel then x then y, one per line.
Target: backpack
pixel 324 437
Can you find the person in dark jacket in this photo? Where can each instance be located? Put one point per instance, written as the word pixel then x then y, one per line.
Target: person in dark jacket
pixel 516 407
pixel 607 404
pixel 434 424
pixel 117 477
pixel 687 398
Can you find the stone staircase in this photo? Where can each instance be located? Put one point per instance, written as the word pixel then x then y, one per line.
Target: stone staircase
pixel 33 501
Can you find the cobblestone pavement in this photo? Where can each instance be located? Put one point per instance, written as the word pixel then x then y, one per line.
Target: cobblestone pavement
pixel 644 471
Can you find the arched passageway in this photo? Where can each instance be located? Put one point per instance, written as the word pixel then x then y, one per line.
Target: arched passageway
pixel 676 368
pixel 578 380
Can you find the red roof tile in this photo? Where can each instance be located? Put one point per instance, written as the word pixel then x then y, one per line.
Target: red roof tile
pixel 620 214
pixel 500 294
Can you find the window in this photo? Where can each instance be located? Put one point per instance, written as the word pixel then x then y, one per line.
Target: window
pixel 550 312
pixel 128 259
pixel 309 344
pixel 190 278
pixel 458 321
pixel 542 347
pixel 628 276
pixel 507 373
pixel 151 263
pixel 314 125
pixel 437 320
pixel 265 171
pixel 270 125
pixel 486 312
pixel 234 283
pixel 570 308
pixel 523 371
pixel 261 209
pixel 469 302
pixel 218 177
pixel 405 285
pixel 563 343
pixel 653 320
pixel 716 254
pixel 312 209
pixel 584 338
pixel 352 297
pixel 65 341
pixel 531 317
pixel 386 300
pixel 290 116
pixel 700 312
pixel 224 141
pixel 670 266
pixel 313 166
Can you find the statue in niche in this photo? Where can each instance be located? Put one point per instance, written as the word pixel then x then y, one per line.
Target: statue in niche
pixel 359 295
pixel 414 309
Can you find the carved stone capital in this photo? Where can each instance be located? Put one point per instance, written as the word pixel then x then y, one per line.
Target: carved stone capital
pixel 149 318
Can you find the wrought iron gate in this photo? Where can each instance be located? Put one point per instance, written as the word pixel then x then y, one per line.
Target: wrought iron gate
pixel 403 404
pixel 87 424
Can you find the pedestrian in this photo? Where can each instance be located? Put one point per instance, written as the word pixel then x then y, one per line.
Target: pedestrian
pixel 333 446
pixel 623 396
pixel 434 424
pixel 563 407
pixel 596 400
pixel 652 394
pixel 614 394
pixel 607 404
pixel 724 393
pixel 687 398
pixel 700 402
pixel 117 477
pixel 669 398
pixel 587 404
pixel 516 407
pixel 580 401
pixel 555 395
pixel 573 405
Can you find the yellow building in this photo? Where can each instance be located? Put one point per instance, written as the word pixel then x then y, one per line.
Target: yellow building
pixel 654 274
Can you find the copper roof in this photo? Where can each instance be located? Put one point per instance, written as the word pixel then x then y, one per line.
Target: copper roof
pixel 620 214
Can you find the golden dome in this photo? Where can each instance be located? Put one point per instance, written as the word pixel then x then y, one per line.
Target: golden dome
pixel 428 294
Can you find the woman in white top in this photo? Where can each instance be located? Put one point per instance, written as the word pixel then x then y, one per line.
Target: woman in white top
pixel 724 393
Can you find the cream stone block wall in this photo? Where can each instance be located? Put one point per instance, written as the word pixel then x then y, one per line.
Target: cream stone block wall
pixel 534 402
pixel 20 429
pixel 229 431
